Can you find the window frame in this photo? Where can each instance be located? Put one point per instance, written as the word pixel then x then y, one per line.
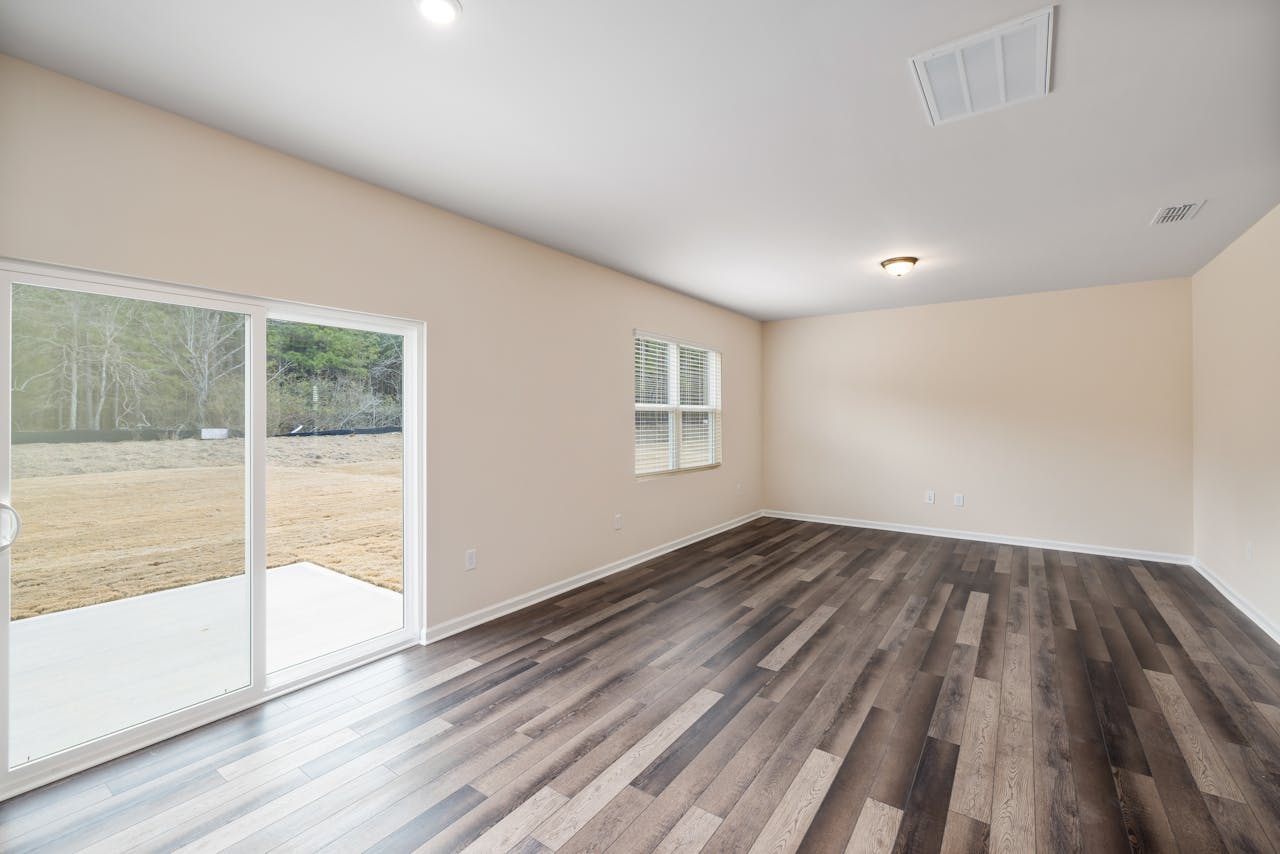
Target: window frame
pixel 675 409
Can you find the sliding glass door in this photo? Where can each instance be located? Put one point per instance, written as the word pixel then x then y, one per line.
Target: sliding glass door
pixel 129 590
pixel 219 500
pixel 335 489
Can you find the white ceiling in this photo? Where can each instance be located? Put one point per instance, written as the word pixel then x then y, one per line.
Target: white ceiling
pixel 761 155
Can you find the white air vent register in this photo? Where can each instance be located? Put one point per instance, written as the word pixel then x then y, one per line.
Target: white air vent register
pixel 1005 65
pixel 1176 213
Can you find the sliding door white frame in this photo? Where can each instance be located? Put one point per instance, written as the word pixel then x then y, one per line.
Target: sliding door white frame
pixel 262 686
pixel 414 497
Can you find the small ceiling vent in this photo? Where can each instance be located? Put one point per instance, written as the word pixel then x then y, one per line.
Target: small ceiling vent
pixel 1005 65
pixel 1176 213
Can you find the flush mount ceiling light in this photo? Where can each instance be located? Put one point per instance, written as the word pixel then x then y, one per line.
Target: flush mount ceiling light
pixel 899 266
pixel 442 13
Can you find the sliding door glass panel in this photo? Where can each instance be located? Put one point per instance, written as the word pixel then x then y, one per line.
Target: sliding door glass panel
pixel 129 593
pixel 335 489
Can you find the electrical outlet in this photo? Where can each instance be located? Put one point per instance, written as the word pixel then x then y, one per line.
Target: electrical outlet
pixel 929 497
pixel 617 521
pixel 471 559
pixel 1248 550
pixel 958 499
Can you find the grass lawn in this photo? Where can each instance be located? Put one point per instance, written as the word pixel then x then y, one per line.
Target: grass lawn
pixel 105 521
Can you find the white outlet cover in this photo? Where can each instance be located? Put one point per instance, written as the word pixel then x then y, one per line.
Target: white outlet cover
pixel 471 559
pixel 959 499
pixel 929 497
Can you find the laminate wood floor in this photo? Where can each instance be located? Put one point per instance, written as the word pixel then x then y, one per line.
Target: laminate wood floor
pixel 782 686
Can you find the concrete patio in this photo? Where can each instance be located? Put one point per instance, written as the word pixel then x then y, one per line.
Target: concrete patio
pixel 82 673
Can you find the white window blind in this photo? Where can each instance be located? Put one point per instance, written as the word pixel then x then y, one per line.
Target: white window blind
pixel 677 405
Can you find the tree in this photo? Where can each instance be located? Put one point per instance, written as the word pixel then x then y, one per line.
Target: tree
pixel 73 353
pixel 314 351
pixel 204 347
pixel 91 361
pixel 331 378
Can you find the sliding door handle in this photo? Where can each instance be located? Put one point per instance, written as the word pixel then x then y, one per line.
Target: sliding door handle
pixel 17 526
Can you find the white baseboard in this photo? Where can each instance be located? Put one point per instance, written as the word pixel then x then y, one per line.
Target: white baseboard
pixel 1105 551
pixel 1236 599
pixel 493 612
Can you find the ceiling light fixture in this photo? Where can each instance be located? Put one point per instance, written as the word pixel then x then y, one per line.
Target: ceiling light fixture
pixel 899 266
pixel 442 13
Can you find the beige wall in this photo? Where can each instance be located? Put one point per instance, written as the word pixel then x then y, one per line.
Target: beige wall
pixel 529 350
pixel 1025 404
pixel 1236 353
pixel 1062 416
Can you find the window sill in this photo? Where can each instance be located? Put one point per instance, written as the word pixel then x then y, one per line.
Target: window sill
pixel 661 474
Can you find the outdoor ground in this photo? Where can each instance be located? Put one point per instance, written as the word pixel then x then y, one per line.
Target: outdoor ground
pixel 108 520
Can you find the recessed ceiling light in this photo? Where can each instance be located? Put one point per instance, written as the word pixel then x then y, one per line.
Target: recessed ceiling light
pixel 899 266
pixel 442 13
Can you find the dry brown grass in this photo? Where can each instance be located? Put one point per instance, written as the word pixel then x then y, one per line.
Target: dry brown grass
pixel 174 515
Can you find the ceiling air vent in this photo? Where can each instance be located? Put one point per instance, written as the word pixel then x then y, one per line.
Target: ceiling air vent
pixel 1005 65
pixel 1176 213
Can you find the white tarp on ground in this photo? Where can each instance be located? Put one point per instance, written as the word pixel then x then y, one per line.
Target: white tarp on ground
pixel 82 673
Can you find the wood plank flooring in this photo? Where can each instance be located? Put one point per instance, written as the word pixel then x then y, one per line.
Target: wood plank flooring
pixel 783 686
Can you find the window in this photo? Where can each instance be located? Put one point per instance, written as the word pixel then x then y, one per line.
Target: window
pixel 677 406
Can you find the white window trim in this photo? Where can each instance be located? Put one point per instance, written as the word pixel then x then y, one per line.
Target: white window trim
pixel 673 405
pixel 263 686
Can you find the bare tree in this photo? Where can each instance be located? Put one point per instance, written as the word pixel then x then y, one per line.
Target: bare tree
pixel 49 353
pixel 203 345
pixel 71 358
pixel 107 324
pixel 74 353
